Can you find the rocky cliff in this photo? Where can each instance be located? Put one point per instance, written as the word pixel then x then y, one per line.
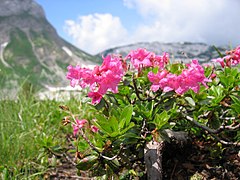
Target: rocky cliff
pixel 30 48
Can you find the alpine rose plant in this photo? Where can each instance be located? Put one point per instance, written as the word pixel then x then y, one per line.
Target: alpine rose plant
pixel 143 101
pixel 100 79
pixel 232 58
pixel 190 78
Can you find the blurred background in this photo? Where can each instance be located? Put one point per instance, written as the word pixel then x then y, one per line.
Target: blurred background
pixel 97 25
pixel 40 38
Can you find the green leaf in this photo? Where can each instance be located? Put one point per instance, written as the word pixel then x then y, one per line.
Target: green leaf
pixel 224 80
pixel 115 112
pixel 236 105
pixel 113 123
pixel 108 126
pixel 2 168
pixel 114 134
pixel 219 53
pixel 126 116
pixel 235 99
pixel 5 174
pixel 100 105
pixel 155 70
pixel 113 164
pixel 133 96
pixel 102 123
pixel 161 119
pixel 124 90
pixel 87 162
pixel 132 172
pixel 234 72
pixel 207 71
pixel 216 94
pixel 143 110
pixel 176 68
pixel 229 77
pixel 127 128
pixel 190 101
pixel 83 145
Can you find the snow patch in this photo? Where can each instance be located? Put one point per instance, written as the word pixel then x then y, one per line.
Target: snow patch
pixel 68 51
pixel 67 88
pixel 89 66
pixel 1 54
pixel 4 44
pixel 60 93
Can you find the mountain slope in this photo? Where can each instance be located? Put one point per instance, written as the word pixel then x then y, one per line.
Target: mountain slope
pixel 30 48
pixel 178 51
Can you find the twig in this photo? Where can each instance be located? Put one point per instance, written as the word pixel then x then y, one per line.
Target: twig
pixel 106 102
pixel 95 149
pixel 212 131
pixel 92 146
pixel 215 131
pixel 129 100
pixel 88 141
pixel 226 142
pixel 144 130
pixel 61 155
pixel 173 171
pixel 136 90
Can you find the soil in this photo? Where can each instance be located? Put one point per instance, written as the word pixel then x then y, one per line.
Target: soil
pixel 202 161
pixel 198 161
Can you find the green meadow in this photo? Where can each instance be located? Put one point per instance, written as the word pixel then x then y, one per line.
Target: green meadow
pixel 29 130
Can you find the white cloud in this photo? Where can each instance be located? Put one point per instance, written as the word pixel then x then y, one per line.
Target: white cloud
pixel 210 21
pixel 96 32
pixel 213 22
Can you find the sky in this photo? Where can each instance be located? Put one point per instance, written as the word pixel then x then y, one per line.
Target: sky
pixel 97 25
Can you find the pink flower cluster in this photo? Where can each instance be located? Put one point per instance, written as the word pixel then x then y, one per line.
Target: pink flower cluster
pixel 142 58
pixel 232 58
pixel 190 78
pixel 107 76
pixel 100 79
pixel 79 124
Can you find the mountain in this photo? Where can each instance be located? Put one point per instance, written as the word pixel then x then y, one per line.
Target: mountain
pixel 31 51
pixel 30 48
pixel 184 52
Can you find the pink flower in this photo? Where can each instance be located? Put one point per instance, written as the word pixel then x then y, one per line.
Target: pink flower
pixel 109 82
pixel 161 61
pixel 156 79
pixel 100 79
pixel 79 76
pixel 78 125
pixel 190 78
pixel 94 129
pixel 140 58
pixel 198 72
pixel 107 76
pixel 170 82
pixel 213 76
pixel 96 97
pixel 74 75
pixel 232 58
pixel 219 60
